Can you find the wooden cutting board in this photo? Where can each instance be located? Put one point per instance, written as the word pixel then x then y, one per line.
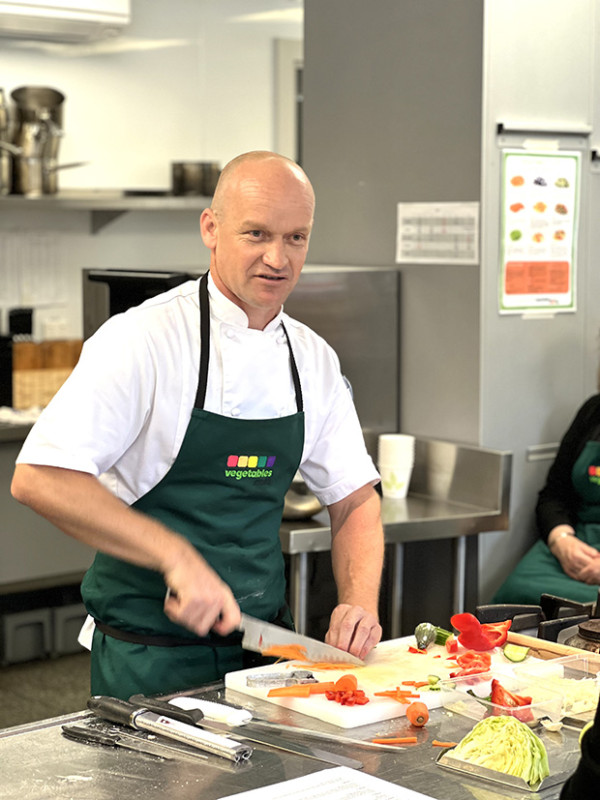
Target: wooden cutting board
pixel 386 667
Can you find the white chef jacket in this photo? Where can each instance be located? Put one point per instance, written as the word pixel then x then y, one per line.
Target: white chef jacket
pixel 123 412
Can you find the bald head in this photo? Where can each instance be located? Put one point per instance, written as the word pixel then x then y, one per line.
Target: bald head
pixel 257 230
pixel 257 167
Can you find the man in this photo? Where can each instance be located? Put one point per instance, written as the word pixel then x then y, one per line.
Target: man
pixel 172 445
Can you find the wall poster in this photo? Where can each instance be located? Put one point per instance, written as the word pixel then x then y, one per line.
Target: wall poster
pixel 538 231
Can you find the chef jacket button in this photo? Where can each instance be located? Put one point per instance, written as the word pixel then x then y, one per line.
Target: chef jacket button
pixel 230 333
pixel 282 339
pixel 235 412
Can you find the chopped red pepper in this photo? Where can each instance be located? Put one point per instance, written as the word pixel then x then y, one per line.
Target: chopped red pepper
pixel 416 650
pixel 507 702
pixel 475 636
pixel 452 644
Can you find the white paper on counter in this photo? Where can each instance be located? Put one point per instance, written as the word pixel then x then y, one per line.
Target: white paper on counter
pixel 339 783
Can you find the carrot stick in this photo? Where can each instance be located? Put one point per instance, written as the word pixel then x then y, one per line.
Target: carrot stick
pixel 396 740
pixel 298 690
pixel 321 688
pixel 435 743
pixel 318 665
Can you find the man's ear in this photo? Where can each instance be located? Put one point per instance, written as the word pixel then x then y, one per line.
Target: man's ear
pixel 208 228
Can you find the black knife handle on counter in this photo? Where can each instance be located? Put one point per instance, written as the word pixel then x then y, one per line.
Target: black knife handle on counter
pixel 115 710
pixel 192 716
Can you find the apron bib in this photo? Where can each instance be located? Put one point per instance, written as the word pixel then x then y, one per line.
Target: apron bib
pixel 539 571
pixel 225 493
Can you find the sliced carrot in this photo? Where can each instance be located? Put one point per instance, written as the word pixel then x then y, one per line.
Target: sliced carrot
pixel 321 687
pixel 298 690
pixel 396 740
pixel 416 684
pixel 347 683
pixel 401 695
pixel 292 652
pixel 435 743
pixel 332 665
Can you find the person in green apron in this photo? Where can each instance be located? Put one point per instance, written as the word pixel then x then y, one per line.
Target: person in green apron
pixel 189 535
pixel 565 561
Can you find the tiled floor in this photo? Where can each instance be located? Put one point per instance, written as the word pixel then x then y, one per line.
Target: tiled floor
pixel 36 690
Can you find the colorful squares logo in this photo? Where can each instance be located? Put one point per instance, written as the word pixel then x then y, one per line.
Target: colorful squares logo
pixel 594 471
pixel 251 462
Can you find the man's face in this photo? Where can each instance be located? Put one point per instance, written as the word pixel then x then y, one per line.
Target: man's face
pixel 259 236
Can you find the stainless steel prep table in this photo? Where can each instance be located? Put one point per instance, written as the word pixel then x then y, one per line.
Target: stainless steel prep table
pixel 38 762
pixel 456 491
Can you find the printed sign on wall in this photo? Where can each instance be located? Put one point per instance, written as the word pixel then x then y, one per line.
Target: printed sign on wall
pixel 539 213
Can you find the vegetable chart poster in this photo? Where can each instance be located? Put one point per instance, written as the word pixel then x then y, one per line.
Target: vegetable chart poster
pixel 539 212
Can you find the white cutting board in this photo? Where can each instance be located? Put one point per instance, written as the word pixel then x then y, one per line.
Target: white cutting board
pixel 386 667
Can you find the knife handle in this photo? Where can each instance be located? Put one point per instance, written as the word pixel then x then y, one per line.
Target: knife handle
pixel 113 709
pixel 191 716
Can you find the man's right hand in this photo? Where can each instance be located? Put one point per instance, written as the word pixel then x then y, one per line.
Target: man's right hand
pixel 198 599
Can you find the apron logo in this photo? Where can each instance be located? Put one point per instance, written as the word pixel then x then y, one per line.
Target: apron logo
pixel 594 474
pixel 239 467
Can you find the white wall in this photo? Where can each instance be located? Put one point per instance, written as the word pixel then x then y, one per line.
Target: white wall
pixel 188 80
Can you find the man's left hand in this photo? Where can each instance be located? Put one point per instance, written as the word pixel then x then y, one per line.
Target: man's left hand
pixel 353 629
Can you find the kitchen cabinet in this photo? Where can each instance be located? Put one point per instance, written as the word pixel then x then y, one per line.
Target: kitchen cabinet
pixel 104 205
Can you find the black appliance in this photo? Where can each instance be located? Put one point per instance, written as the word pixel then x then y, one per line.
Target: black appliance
pixel 112 291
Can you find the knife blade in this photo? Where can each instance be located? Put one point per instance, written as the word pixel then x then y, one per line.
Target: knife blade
pixel 113 738
pixel 278 743
pixel 203 713
pixel 260 635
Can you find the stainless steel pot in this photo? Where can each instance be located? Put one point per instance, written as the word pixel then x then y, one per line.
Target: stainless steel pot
pixel 300 502
pixel 192 178
pixel 7 151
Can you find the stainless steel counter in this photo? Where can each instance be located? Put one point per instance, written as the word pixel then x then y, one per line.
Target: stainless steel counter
pixel 456 491
pixel 38 762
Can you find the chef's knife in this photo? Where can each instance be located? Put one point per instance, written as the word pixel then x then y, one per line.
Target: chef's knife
pixel 245 730
pixel 124 713
pixel 260 636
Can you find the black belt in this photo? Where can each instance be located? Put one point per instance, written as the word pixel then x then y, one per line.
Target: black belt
pixel 152 640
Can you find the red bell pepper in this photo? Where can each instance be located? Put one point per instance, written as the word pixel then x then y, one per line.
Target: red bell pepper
pixel 472 663
pixel 475 636
pixel 507 702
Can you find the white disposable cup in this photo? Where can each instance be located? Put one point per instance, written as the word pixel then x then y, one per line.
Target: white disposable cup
pixel 395 480
pixel 395 448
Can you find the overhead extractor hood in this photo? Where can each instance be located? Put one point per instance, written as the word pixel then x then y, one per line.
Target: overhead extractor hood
pixel 64 21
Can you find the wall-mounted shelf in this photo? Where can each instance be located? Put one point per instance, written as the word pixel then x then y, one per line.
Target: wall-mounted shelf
pixel 105 205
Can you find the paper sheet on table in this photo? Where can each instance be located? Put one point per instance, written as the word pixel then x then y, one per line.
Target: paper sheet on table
pixel 339 783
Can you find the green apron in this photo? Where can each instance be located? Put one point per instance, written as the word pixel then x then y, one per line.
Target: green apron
pixel 539 571
pixel 225 493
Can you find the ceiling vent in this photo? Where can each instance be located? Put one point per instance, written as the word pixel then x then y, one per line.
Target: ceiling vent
pixel 64 20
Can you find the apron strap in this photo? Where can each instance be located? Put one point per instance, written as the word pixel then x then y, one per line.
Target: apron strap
pixel 205 351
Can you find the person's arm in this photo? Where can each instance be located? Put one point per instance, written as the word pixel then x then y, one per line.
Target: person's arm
pixel 78 504
pixel 584 782
pixel 357 557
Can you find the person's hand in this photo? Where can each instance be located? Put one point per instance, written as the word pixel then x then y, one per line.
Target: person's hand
pixel 198 599
pixel 353 629
pixel 591 572
pixel 579 560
